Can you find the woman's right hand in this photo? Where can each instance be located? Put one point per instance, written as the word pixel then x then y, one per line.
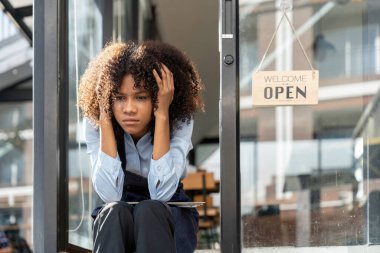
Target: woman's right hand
pixel 107 135
pixel 103 114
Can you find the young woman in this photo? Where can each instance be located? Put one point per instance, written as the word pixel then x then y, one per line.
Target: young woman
pixel 138 102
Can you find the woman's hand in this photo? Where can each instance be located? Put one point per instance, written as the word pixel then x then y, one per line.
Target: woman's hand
pixel 107 135
pixel 103 114
pixel 165 91
pixel 165 97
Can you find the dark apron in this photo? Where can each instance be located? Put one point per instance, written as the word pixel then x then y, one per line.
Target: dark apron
pixel 186 219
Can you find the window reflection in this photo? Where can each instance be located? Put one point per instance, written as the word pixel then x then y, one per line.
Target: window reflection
pixel 368 164
pixel 316 201
pixel 16 180
pixel 84 43
pixel 87 20
pixel 309 177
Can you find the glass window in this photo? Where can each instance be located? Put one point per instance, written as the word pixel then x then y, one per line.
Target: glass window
pixel 85 41
pixel 16 175
pixel 367 168
pixel 310 174
pixel 86 35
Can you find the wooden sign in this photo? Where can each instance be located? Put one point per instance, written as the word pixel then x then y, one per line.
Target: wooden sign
pixel 285 87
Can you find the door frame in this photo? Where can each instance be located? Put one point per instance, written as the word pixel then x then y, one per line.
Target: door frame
pixel 229 125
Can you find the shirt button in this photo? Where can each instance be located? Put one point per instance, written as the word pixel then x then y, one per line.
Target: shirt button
pixel 159 168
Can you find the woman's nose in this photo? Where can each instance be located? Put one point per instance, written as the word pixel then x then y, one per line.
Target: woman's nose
pixel 129 106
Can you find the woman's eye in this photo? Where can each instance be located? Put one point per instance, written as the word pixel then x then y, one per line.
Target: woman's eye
pixel 119 98
pixel 141 97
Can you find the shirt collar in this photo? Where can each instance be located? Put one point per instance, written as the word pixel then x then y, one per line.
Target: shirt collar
pixel 146 139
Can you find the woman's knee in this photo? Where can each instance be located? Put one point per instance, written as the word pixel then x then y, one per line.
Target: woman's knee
pixel 113 228
pixel 117 210
pixel 117 206
pixel 151 209
pixel 149 205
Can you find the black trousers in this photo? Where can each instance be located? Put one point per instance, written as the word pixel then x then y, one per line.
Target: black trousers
pixel 142 228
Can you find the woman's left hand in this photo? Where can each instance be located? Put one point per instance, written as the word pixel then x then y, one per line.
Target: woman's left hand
pixel 165 91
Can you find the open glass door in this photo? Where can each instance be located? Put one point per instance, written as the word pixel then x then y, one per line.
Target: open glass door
pixel 310 175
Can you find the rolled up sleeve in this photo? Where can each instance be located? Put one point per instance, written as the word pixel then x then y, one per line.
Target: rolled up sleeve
pixel 165 173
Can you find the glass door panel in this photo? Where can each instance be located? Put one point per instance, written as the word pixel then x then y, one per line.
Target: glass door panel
pixel 85 41
pixel 310 174
pixel 91 24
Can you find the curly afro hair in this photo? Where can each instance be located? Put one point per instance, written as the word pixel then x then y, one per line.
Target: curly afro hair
pixel 103 77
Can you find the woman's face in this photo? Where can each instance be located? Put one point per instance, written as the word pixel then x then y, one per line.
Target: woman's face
pixel 132 108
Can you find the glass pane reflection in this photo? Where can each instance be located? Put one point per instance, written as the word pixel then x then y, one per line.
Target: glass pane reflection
pixel 306 179
pixel 82 197
pixel 16 173
pixel 314 203
pixel 368 170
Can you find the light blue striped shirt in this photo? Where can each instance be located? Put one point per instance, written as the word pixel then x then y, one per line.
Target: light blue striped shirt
pixel 108 176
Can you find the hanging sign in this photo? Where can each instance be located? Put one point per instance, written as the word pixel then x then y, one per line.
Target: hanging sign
pixel 285 87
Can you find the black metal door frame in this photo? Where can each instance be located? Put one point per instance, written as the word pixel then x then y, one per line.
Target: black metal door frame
pixel 229 126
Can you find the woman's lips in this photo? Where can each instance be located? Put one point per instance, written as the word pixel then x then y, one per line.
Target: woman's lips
pixel 130 121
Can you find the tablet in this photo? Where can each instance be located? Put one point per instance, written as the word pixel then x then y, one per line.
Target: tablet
pixel 179 204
